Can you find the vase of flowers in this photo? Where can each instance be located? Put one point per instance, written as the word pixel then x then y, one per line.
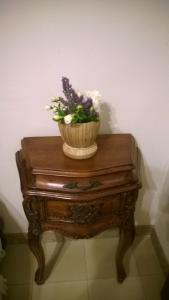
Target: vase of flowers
pixel 78 117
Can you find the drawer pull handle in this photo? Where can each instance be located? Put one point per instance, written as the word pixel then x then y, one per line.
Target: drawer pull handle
pixel 75 185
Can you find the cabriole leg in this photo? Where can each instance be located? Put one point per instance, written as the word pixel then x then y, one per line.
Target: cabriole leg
pixel 31 208
pixel 127 232
pixel 126 240
pixel 36 248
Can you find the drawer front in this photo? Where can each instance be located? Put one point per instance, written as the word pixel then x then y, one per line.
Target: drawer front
pixel 81 185
pixel 82 212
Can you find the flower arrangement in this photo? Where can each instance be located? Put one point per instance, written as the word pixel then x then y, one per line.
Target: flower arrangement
pixel 76 107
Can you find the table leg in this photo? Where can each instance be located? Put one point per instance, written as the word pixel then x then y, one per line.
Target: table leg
pixel 126 239
pixel 36 248
pixel 34 236
pixel 127 232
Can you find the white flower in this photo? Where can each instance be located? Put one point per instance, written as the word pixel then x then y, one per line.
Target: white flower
pixel 47 107
pixel 68 119
pixel 54 98
pixel 96 97
pixel 78 93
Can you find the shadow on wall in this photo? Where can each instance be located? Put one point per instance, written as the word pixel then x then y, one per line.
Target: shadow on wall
pixel 163 216
pixel 7 217
pixel 17 263
pixel 13 222
pixel 108 119
pixel 146 194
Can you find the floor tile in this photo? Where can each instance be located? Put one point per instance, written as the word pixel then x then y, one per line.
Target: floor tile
pixel 152 286
pixel 109 233
pixel 100 258
pixel 110 289
pixel 17 266
pixel 69 264
pixel 19 292
pixel 52 236
pixel 130 289
pixel 101 289
pixel 61 291
pixel 146 258
pixel 73 261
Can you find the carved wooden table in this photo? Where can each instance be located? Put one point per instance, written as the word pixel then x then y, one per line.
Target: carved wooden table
pixel 79 198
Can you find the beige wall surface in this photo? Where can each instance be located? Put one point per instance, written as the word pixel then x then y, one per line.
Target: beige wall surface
pixel 120 48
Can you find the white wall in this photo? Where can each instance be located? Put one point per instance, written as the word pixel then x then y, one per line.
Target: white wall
pixel 120 47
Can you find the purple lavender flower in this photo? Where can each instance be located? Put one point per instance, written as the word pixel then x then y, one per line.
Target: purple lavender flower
pixel 64 102
pixel 87 103
pixel 69 92
pixel 80 107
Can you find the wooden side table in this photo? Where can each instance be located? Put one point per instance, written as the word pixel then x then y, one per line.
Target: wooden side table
pixel 79 198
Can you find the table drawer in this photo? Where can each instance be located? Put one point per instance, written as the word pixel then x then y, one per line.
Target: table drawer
pixel 82 213
pixel 82 185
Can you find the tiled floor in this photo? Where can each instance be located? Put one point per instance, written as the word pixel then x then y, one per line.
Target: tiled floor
pixel 84 270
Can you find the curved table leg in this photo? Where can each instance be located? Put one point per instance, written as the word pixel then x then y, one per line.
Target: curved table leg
pixel 30 205
pixel 126 238
pixel 127 231
pixel 36 248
